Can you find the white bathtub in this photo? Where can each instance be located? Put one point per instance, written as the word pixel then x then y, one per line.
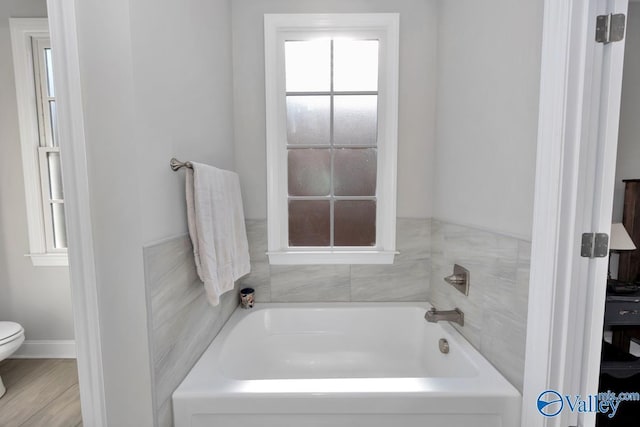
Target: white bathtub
pixel 342 364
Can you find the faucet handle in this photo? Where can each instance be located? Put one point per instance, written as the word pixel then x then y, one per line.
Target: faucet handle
pixel 459 279
pixel 456 279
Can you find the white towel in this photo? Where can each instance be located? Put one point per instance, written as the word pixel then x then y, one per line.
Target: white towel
pixel 216 226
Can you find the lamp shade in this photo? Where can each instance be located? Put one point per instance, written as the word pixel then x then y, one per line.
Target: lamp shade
pixel 620 239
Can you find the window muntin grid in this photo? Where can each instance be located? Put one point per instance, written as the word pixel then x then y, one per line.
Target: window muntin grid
pixel 332 108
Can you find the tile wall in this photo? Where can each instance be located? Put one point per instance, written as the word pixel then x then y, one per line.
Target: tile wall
pixel 406 280
pixel 496 308
pixel 181 322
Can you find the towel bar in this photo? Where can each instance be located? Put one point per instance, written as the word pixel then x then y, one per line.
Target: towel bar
pixel 177 164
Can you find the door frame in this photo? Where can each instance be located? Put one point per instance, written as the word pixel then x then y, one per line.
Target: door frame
pixel 575 164
pixel 554 200
pixel 564 101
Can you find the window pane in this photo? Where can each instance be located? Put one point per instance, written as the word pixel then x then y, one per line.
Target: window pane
pixel 308 65
pixel 355 120
pixel 355 65
pixel 355 223
pixel 54 122
pixel 309 223
pixel 309 172
pixel 59 226
pixel 355 171
pixel 55 176
pixel 308 119
pixel 49 66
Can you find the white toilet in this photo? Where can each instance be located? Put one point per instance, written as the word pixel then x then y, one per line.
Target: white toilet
pixel 11 337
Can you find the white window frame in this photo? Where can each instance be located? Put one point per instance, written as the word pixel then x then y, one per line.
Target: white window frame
pixel 23 33
pixel 385 28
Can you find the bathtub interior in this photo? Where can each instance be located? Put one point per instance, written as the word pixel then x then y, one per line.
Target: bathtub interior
pixel 340 365
pixel 337 342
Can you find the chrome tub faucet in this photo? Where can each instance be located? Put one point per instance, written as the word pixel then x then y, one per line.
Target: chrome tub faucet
pixel 455 315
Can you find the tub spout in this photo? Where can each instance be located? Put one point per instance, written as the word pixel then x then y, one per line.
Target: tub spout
pixel 455 315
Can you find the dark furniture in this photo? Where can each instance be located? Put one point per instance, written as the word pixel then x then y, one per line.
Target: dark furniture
pixel 622 315
pixel 629 264
pixel 620 370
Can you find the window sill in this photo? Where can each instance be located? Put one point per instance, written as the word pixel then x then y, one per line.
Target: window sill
pixel 331 257
pixel 49 260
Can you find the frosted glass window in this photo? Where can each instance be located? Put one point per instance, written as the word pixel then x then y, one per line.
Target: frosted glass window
pixel 309 120
pixel 308 65
pixel 55 175
pixel 309 223
pixel 309 172
pixel 355 171
pixel 331 136
pixel 355 223
pixel 355 65
pixel 355 120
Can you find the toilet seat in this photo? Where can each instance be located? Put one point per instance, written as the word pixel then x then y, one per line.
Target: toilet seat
pixel 11 338
pixel 10 331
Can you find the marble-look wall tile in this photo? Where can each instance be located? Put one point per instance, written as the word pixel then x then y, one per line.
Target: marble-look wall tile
pixel 413 239
pixel 405 280
pixel 496 307
pixel 185 338
pixel 181 322
pixel 257 237
pixel 503 344
pixel 310 283
pixel 259 280
pixel 170 278
pixel 164 414
pixel 401 281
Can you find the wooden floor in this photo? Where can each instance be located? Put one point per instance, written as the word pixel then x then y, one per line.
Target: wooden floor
pixel 40 393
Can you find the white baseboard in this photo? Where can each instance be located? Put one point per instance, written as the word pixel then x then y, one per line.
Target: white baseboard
pixel 46 349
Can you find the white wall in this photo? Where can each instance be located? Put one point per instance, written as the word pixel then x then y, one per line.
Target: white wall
pixel 418 25
pixel 628 164
pixel 37 297
pixel 183 89
pixel 156 79
pixel 487 109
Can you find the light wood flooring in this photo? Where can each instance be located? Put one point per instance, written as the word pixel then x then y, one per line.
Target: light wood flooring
pixel 40 393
